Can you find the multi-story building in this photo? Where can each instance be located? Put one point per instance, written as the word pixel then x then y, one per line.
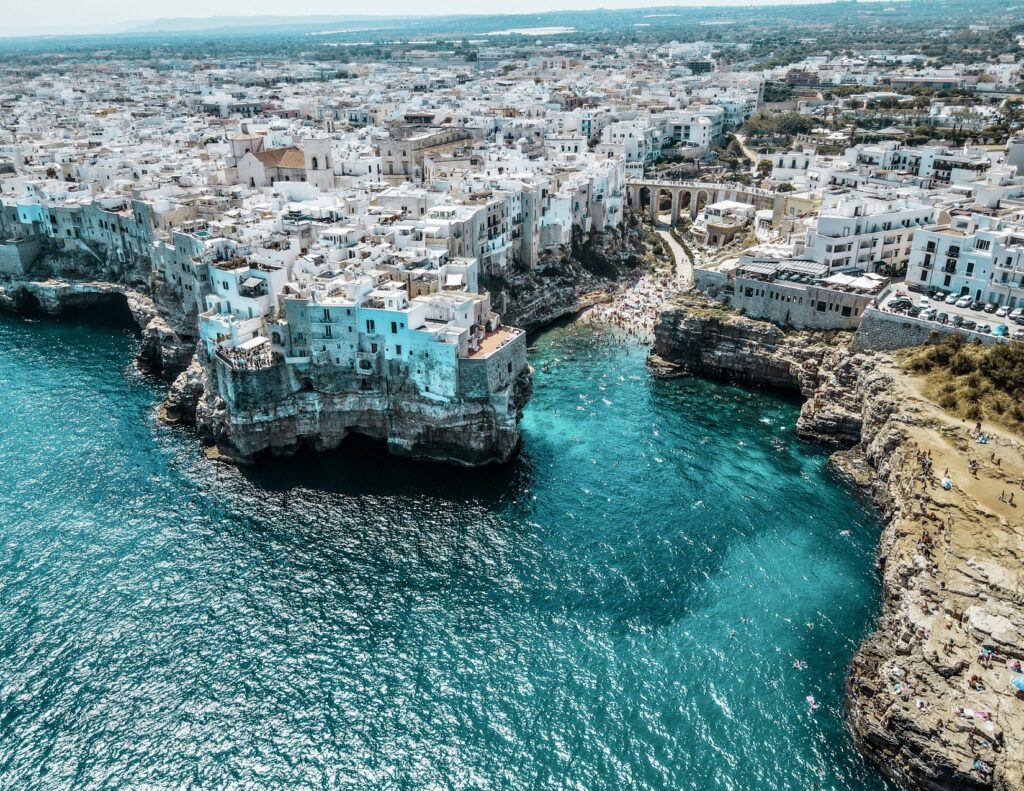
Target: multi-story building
pixel 867 230
pixel 972 255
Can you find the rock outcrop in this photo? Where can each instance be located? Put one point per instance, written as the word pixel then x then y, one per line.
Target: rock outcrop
pixel 464 431
pixel 696 336
pixel 929 697
pixel 567 281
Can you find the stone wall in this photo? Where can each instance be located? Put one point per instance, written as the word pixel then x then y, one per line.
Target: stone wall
pixel 255 389
pixel 480 377
pixel 881 331
pixel 18 255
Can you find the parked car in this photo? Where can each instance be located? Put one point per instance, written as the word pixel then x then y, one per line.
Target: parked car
pixel 984 328
pixel 917 288
pixel 1003 311
pixel 927 314
pixel 1016 313
pixel 969 324
pixel 901 304
pixel 1001 330
pixel 952 299
pixel 963 302
pixel 942 318
pixel 924 303
pixel 957 320
pixel 1018 335
pixel 990 307
pixel 977 305
pixel 913 310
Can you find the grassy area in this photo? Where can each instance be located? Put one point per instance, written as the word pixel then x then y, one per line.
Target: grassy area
pixel 972 381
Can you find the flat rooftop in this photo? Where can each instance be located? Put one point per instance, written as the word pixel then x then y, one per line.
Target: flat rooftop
pixel 495 341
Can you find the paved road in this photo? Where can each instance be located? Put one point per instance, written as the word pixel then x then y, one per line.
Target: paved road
pixel 684 266
pixel 748 152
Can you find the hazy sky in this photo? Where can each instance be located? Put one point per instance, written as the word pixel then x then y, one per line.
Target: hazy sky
pixel 52 16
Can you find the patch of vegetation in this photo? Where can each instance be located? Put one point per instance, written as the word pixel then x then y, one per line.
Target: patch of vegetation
pixel 779 124
pixel 973 381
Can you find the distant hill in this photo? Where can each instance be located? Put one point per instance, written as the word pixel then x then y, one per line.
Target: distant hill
pixel 195 24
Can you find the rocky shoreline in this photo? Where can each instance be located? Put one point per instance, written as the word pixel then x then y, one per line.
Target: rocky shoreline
pixel 928 693
pixel 568 281
pixel 165 350
pixel 317 412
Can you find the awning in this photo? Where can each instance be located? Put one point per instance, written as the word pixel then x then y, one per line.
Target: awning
pixel 453 281
pixel 252 343
pixel 252 282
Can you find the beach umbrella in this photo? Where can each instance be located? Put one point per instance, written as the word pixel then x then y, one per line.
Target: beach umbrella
pixel 1018 683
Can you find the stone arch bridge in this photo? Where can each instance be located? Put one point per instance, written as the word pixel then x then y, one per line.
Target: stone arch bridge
pixel 692 196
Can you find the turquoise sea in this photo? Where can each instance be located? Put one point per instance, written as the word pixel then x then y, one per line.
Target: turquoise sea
pixel 619 608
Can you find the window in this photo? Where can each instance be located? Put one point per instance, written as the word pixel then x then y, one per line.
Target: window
pixel 394 327
pixel 370 326
pixel 373 348
pixel 982 244
pixel 846 310
pixel 398 351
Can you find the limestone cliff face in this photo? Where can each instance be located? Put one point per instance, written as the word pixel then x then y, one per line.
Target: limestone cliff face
pixel 470 432
pixel 693 336
pixel 567 280
pixel 75 280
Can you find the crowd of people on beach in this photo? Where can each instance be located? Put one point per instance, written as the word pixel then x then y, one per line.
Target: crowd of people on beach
pixel 634 310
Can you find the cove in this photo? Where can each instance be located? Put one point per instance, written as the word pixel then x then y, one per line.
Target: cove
pixel 620 607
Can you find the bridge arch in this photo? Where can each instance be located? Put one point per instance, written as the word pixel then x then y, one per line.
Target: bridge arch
pixel 700 201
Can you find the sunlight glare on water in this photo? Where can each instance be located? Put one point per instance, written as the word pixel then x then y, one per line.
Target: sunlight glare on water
pixel 621 607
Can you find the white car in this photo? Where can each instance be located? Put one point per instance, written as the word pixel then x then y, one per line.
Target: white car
pixel 1003 311
pixel 952 299
pixel 963 302
pixel 1016 313
pixel 925 302
pixel 927 314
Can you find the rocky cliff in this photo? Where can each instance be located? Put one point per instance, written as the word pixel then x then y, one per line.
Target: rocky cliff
pixel 929 697
pixel 695 336
pixel 567 280
pixel 66 281
pixel 467 431
pixel 929 694
pixel 463 431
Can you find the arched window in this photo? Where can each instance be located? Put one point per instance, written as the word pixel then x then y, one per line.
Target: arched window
pixel 316 164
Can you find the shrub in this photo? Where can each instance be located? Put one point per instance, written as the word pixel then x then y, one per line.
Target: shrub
pixel 962 364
